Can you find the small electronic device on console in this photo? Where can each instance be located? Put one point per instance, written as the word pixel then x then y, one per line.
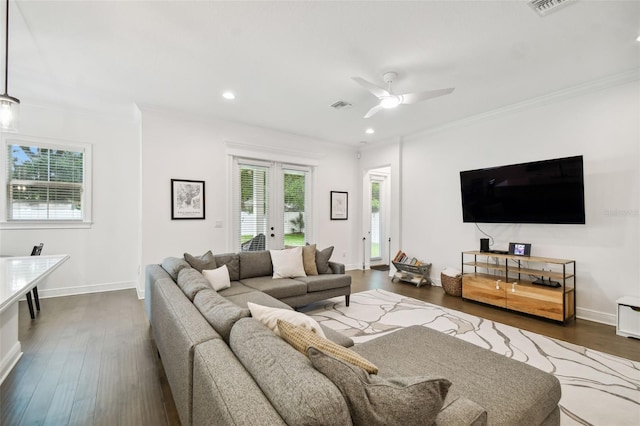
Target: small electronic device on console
pixel 520 249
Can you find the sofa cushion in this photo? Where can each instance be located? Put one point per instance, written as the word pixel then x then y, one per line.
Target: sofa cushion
pixel 287 263
pixel 206 261
pixel 232 260
pixel 236 288
pixel 302 338
pixel 322 260
pixel 255 264
pixel 191 282
pixel 173 265
pixel 270 317
pixel 224 393
pixel 218 278
pixel 218 311
pixel 325 282
pixel 375 401
pixel 301 394
pixel 278 288
pixel 257 297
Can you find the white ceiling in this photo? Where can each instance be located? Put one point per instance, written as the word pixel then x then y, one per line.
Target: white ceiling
pixel 288 61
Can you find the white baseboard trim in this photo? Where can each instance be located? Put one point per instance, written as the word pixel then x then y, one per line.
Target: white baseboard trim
pixel 85 289
pixel 596 316
pixel 352 267
pixel 10 360
pixel 140 293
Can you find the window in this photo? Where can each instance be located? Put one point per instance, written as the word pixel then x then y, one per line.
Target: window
pixel 46 182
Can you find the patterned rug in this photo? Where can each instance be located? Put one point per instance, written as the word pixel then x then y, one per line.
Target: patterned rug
pixel 597 388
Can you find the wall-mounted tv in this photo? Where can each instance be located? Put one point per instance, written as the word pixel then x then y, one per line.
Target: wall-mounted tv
pixel 550 191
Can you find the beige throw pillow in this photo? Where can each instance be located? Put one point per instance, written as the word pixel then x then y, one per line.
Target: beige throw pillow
pixel 270 316
pixel 309 259
pixel 287 263
pixel 302 339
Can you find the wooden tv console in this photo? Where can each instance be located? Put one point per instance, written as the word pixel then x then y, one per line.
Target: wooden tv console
pixel 506 281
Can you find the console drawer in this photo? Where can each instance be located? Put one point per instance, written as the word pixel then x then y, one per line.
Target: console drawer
pixel 482 288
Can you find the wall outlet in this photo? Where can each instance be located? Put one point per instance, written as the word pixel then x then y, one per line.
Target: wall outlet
pixel 344 254
pixel 218 224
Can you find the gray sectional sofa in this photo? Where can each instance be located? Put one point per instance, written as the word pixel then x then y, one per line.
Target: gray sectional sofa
pixel 226 368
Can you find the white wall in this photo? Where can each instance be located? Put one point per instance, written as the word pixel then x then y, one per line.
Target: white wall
pixel 105 256
pixel 603 126
pixel 180 147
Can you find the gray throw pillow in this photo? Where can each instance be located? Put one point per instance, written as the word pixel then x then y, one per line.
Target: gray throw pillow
pixel 322 260
pixel 206 261
pixel 374 400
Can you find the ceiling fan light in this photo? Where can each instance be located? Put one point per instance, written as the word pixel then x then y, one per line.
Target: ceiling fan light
pixel 390 102
pixel 9 108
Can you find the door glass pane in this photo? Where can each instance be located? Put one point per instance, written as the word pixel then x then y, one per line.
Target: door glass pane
pixel 375 220
pixel 253 201
pixel 294 182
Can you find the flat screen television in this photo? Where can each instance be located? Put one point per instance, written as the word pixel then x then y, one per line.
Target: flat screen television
pixel 549 191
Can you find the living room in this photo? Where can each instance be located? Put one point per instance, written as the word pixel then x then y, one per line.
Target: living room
pixel 138 146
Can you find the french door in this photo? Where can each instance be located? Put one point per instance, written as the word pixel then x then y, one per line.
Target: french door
pixel 271 205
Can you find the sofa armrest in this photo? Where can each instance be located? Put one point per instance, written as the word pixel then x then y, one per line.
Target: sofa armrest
pixel 336 268
pixel 461 411
pixel 178 327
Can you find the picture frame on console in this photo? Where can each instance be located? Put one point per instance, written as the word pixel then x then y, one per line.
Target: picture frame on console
pixel 339 205
pixel 187 199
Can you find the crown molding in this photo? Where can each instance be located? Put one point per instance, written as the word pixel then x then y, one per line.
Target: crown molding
pixel 578 90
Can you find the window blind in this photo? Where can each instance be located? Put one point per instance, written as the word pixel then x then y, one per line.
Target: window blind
pixel 253 204
pixel 294 211
pixel 45 183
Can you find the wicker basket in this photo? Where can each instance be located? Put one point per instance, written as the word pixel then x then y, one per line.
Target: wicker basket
pixel 452 285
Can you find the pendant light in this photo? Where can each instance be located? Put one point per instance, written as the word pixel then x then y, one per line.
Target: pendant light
pixel 9 105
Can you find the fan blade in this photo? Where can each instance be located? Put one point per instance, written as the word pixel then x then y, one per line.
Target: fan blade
pixel 373 111
pixel 412 98
pixel 378 92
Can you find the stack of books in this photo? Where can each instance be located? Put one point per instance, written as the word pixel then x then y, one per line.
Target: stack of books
pixel 401 257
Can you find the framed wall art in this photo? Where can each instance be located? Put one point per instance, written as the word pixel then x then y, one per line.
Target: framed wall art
pixel 339 205
pixel 187 199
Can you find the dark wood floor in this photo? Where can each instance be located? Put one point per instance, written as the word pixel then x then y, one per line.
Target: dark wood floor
pixel 90 359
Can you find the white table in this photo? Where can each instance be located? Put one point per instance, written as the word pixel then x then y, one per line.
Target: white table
pixel 18 276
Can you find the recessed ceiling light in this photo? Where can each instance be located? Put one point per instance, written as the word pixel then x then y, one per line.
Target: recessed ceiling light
pixel 228 95
pixel 638 39
pixel 369 131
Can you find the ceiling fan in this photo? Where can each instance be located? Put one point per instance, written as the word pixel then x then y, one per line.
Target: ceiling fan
pixel 390 100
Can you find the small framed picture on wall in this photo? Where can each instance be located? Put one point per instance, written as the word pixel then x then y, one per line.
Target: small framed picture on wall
pixel 339 205
pixel 187 199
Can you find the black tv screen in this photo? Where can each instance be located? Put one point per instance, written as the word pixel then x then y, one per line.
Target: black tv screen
pixel 550 191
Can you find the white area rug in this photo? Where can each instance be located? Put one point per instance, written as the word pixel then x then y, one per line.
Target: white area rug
pixel 597 388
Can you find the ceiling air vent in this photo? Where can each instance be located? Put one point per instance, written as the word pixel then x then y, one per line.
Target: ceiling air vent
pixel 340 104
pixel 545 7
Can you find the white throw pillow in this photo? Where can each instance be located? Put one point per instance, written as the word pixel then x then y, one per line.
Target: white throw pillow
pixel 219 277
pixel 287 263
pixel 270 316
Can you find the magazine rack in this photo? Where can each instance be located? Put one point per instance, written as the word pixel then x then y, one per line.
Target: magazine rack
pixel 415 274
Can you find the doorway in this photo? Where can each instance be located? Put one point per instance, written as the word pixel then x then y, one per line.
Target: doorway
pixel 272 205
pixel 377 182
